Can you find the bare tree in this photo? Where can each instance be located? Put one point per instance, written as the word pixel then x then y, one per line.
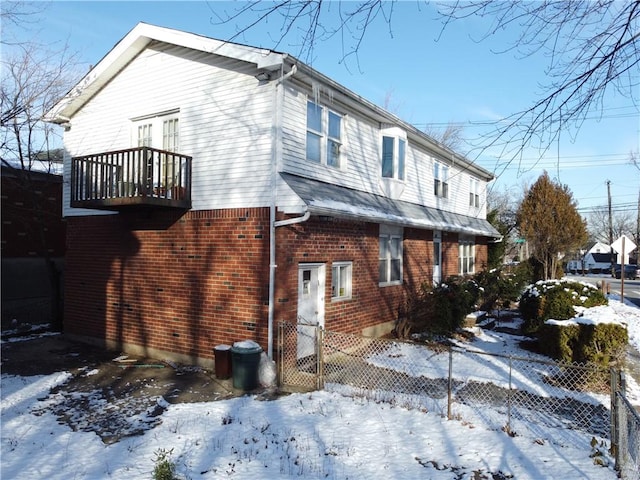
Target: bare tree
pixel 307 19
pixel 33 80
pixel 17 15
pixel 623 222
pixel 593 50
pixel 450 136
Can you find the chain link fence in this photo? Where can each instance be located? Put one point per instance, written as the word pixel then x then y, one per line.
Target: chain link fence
pixel 625 431
pixel 495 391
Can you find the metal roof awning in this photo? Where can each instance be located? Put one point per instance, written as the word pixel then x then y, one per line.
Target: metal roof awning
pixel 326 199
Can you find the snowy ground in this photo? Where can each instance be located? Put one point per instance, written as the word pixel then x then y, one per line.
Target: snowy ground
pixel 316 435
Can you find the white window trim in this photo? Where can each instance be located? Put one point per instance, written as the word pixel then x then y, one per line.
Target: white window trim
pixel 156 121
pixel 165 177
pixel 349 281
pixel 441 189
pixel 325 138
pixel 463 261
pixel 398 135
pixel 390 232
pixel 474 192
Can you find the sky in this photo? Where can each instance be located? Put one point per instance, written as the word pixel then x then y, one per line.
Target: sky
pixel 330 434
pixel 425 76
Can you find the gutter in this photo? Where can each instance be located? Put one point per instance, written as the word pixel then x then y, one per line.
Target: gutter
pixel 291 221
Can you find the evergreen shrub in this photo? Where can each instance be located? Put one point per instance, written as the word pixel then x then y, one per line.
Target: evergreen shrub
pixel 438 310
pixel 569 341
pixel 556 299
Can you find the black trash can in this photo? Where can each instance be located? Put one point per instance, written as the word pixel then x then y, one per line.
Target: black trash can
pixel 245 362
pixel 222 355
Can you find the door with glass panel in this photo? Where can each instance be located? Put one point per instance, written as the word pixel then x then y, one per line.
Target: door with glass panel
pixel 311 283
pixel 437 257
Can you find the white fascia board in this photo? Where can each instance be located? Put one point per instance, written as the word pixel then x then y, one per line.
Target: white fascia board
pixel 134 43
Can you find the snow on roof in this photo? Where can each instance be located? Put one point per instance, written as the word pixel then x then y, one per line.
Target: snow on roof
pixel 328 199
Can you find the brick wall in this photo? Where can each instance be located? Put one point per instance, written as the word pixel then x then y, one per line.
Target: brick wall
pixel 330 240
pixel 185 283
pixel 32 224
pixel 176 284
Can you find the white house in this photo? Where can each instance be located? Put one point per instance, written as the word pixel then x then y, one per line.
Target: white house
pixel 213 189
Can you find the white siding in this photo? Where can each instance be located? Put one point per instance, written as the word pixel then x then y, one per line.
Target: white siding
pixel 225 122
pixel 361 147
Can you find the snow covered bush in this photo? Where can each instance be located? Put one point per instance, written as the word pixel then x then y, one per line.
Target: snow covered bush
pixel 556 299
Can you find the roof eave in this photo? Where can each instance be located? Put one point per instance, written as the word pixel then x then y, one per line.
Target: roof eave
pixel 134 43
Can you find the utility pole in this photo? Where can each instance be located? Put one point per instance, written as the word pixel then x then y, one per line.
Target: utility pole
pixel 610 227
pixel 638 229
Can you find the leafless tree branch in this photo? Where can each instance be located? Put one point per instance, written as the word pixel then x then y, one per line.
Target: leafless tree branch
pixel 593 50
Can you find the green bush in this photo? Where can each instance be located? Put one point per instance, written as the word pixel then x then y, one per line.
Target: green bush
pixel 600 344
pixel 502 286
pixel 164 468
pixel 556 299
pixel 559 342
pixel 438 310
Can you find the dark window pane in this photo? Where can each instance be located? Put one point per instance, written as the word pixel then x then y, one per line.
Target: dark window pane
pixel 387 157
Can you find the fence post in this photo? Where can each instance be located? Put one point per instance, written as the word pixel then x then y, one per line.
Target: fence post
pixel 320 357
pixel 614 418
pixel 450 384
pixel 509 400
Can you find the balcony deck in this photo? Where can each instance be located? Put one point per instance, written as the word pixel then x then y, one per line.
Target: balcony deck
pixel 135 177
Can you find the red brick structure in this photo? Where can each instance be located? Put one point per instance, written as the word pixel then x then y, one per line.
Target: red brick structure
pixel 185 283
pixel 33 247
pixel 32 223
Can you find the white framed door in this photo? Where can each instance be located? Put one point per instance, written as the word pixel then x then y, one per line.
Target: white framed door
pixel 437 257
pixel 311 287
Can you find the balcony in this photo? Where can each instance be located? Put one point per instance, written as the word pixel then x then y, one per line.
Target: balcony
pixel 122 179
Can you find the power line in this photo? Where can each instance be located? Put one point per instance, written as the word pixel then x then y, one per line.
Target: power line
pixel 505 121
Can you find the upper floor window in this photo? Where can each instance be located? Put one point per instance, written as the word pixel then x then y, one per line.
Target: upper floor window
pixel 390 257
pixel 170 135
pixel 440 180
pixel 159 131
pixel 466 255
pixel 393 156
pixel 474 193
pixel 162 132
pixel 324 135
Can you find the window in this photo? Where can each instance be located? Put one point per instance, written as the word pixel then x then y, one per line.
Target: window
pixel 170 135
pixel 324 135
pixel 474 193
pixel 466 255
pixel 440 180
pixel 341 280
pixel 393 157
pixel 145 138
pixel 162 132
pixel 390 258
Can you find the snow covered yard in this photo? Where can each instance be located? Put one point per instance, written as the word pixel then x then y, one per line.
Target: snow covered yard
pixel 316 435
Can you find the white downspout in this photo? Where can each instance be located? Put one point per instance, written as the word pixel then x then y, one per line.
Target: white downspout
pixel 276 150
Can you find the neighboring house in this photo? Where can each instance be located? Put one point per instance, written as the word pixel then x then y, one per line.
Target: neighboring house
pixel 598 262
pixel 213 190
pixel 33 233
pixel 597 259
